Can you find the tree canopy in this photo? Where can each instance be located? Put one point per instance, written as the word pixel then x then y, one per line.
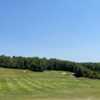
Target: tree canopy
pixel 89 70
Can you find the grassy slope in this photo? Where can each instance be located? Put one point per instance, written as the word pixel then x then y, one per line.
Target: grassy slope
pixel 26 85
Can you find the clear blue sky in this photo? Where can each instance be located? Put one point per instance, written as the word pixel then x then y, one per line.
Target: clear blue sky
pixel 65 29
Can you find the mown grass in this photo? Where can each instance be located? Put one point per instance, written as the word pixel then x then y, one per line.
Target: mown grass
pixel 27 85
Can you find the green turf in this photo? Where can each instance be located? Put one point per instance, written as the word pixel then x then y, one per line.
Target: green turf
pixel 27 85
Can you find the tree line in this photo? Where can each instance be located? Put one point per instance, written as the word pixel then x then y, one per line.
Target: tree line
pixel 89 70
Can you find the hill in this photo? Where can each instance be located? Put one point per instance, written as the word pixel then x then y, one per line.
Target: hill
pixel 89 70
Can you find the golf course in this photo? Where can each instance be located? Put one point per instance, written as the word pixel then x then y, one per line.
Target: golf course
pixel 50 85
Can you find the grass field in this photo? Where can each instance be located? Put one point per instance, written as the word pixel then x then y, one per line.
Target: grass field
pixel 27 85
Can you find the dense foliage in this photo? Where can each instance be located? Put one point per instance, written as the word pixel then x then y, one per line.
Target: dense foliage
pixel 90 70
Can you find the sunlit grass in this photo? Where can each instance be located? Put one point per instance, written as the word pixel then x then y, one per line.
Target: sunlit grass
pixel 50 85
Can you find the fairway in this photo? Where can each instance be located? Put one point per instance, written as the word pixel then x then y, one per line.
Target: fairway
pixel 50 85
